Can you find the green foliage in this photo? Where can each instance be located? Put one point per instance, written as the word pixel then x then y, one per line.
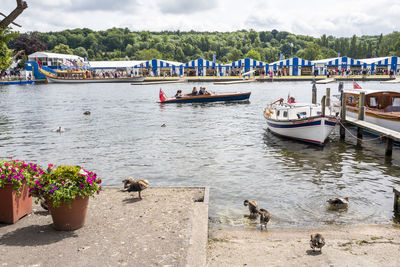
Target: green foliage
pixel 253 54
pixel 6 35
pixel 117 43
pixel 62 49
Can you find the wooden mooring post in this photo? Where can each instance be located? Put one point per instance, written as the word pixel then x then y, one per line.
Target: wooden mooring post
pixel 396 200
pixel 361 102
pixel 323 103
pixel 314 94
pixel 342 115
pixel 389 147
pixel 328 97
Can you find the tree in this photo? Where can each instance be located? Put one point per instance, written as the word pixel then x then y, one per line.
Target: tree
pixel 253 54
pixel 234 54
pixel 6 58
pixel 81 51
pixel 21 6
pixel 147 54
pixel 311 52
pixel 30 43
pixel 62 49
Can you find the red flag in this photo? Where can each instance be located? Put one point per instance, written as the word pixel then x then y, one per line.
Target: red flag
pixel 356 85
pixel 38 62
pixel 162 96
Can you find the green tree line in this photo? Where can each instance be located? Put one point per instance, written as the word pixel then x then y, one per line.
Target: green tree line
pixel 120 44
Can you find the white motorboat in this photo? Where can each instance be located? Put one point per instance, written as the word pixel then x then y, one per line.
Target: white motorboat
pixel 303 122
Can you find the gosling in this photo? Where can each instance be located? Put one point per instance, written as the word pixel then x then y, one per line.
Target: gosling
pixel 317 241
pixel 253 207
pixel 264 218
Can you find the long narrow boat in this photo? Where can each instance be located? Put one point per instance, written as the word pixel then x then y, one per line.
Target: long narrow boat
pixel 82 76
pixel 381 107
pixel 303 122
pixel 213 97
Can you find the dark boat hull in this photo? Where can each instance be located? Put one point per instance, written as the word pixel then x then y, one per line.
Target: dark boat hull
pixel 210 98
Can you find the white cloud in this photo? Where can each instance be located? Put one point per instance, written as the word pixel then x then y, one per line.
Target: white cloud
pixel 311 17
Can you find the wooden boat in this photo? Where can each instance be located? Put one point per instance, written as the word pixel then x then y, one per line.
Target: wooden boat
pixel 303 122
pixel 212 97
pixel 82 76
pixel 381 107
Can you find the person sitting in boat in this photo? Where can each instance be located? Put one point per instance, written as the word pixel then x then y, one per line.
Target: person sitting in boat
pixel 178 94
pixel 291 100
pixel 194 91
pixel 201 91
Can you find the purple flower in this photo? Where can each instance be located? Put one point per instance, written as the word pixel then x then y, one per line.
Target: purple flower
pixel 81 186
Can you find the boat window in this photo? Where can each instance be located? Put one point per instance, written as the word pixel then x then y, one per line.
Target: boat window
pixel 396 102
pixel 301 115
pixel 285 114
pixel 373 101
pixel 350 100
pixel 319 113
pixel 278 113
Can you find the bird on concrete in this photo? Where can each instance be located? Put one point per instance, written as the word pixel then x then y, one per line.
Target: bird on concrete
pixel 317 241
pixel 253 207
pixel 87 112
pixel 44 205
pixel 135 185
pixel 337 203
pixel 264 218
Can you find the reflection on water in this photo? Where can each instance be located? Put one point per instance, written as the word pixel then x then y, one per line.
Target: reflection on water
pixel 223 145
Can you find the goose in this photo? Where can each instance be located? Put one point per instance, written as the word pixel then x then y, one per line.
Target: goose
pixel 253 207
pixel 317 241
pixel 264 218
pixel 135 185
pixel 163 125
pixel 87 112
pixel 59 129
pixel 338 203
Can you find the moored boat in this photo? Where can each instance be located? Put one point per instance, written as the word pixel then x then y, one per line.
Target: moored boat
pixel 381 107
pixel 210 97
pixel 303 122
pixel 84 76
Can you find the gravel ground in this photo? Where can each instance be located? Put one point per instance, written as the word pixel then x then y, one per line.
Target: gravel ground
pixel 357 245
pixel 120 229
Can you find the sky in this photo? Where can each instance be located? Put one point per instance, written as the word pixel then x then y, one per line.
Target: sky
pixel 340 18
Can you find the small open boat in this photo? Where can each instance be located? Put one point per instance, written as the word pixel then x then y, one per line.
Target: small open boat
pixel 381 107
pixel 84 76
pixel 303 122
pixel 212 97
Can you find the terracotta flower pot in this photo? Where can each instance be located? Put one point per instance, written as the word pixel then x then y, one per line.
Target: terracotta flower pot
pixel 14 206
pixel 68 219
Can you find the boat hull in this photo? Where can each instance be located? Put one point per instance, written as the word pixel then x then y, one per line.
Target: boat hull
pixel 313 130
pixel 389 121
pixel 210 98
pixel 97 80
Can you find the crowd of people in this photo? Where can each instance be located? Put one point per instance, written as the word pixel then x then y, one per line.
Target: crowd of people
pixel 201 91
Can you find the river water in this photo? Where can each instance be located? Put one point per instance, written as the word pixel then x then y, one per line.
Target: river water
pixel 221 145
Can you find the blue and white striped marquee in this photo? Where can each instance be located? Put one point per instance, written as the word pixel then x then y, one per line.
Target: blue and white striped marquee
pixel 391 63
pixel 157 64
pixel 294 64
pixel 246 64
pixel 201 64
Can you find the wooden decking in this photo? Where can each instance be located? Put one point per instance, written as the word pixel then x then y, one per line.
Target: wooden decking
pixel 374 128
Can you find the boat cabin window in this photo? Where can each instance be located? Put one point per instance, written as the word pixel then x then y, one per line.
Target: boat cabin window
pixel 350 100
pixel 373 101
pixel 278 113
pixel 301 115
pixel 396 102
pixel 285 113
pixel 319 113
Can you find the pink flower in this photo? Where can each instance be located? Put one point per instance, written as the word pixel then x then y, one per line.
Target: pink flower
pixel 50 166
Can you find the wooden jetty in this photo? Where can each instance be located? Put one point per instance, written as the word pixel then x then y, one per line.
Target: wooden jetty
pixel 389 134
pixel 158 82
pixel 329 80
pixel 233 82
